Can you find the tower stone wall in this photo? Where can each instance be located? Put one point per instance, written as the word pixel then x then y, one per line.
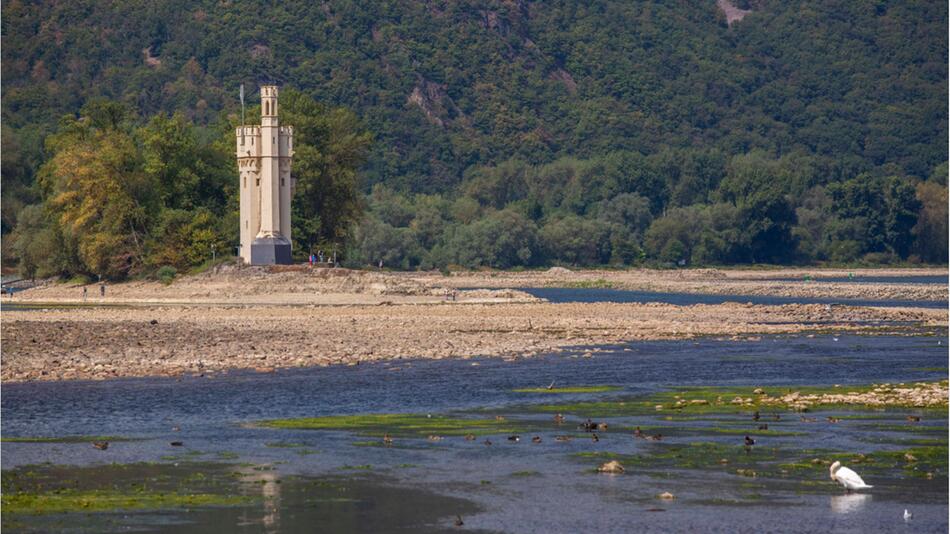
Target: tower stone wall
pixel 264 157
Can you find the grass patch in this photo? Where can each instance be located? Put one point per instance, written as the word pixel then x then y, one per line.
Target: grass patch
pixel 525 474
pixel 569 389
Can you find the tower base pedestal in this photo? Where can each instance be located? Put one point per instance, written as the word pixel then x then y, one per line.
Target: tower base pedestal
pixel 270 251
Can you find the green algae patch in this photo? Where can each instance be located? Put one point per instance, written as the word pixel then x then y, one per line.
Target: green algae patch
pixel 525 474
pixel 60 501
pixel 284 445
pixel 402 425
pixel 63 439
pixel 51 489
pixel 570 389
pixel 737 400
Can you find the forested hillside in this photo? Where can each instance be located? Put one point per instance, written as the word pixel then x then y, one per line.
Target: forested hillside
pixel 526 133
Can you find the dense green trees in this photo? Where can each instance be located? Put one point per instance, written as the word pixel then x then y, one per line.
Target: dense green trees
pixel 119 197
pixel 614 132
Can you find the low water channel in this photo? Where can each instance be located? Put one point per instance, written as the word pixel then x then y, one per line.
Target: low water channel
pixel 347 481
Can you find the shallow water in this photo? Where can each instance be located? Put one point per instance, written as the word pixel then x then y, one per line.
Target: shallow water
pixel 519 487
pixel 565 294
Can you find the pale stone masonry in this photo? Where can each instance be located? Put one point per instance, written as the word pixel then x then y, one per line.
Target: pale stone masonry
pixel 264 155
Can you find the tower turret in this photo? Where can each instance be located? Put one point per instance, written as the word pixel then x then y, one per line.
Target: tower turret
pixel 264 159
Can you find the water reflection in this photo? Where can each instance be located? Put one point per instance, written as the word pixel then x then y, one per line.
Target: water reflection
pixel 268 483
pixel 849 503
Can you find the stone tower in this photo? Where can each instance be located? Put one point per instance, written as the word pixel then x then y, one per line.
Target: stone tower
pixel 264 155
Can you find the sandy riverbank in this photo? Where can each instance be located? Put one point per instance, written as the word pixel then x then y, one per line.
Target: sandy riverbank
pixel 249 318
pixel 169 340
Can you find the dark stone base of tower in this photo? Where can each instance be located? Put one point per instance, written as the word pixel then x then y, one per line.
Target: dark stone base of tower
pixel 270 251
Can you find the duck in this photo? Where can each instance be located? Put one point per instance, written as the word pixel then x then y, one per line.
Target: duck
pixel 558 419
pixel 776 417
pixel 435 438
pixel 176 444
pixel 749 441
pixel 458 521
pixel 487 442
pixel 833 419
pixel 551 385
pixel 387 439
pixel 847 478
pixel 594 438
pixel 637 433
pixel 101 445
pixel 756 416
pixel 562 439
pixel 807 419
pixel 913 418
pixel 657 437
pixel 514 438
pixel 907 515
pixel 536 439
pixel 602 426
pixel 500 418
pixel 469 437
pixel 763 427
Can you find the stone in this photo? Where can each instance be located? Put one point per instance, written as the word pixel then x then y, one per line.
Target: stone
pixel 612 466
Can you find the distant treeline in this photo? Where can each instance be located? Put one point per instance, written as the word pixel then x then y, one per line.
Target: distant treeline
pixel 682 207
pixel 505 133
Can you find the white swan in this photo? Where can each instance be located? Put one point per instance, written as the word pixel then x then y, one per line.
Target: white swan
pixel 847 478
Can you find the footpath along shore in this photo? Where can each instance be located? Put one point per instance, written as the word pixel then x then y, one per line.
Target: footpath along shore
pixel 248 318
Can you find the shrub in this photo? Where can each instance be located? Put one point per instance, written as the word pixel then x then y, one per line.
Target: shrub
pixel 166 274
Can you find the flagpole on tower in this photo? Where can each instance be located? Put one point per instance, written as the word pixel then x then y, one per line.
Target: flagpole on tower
pixel 242 104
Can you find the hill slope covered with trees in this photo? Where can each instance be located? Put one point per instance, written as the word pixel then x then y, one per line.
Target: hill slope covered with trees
pixel 522 133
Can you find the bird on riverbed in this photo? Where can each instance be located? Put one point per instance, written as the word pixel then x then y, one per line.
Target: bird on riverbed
pixel 749 441
pixel 755 416
pixel 514 438
pixel 637 433
pixel 763 427
pixel 833 419
pixel 101 445
pixel 469 437
pixel 594 438
pixel 487 442
pixel 551 386
pixel 536 439
pixel 913 418
pixel 807 419
pixel 562 439
pixel 458 521
pixel 907 515
pixel 558 419
pixel 847 478
pixel 387 439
